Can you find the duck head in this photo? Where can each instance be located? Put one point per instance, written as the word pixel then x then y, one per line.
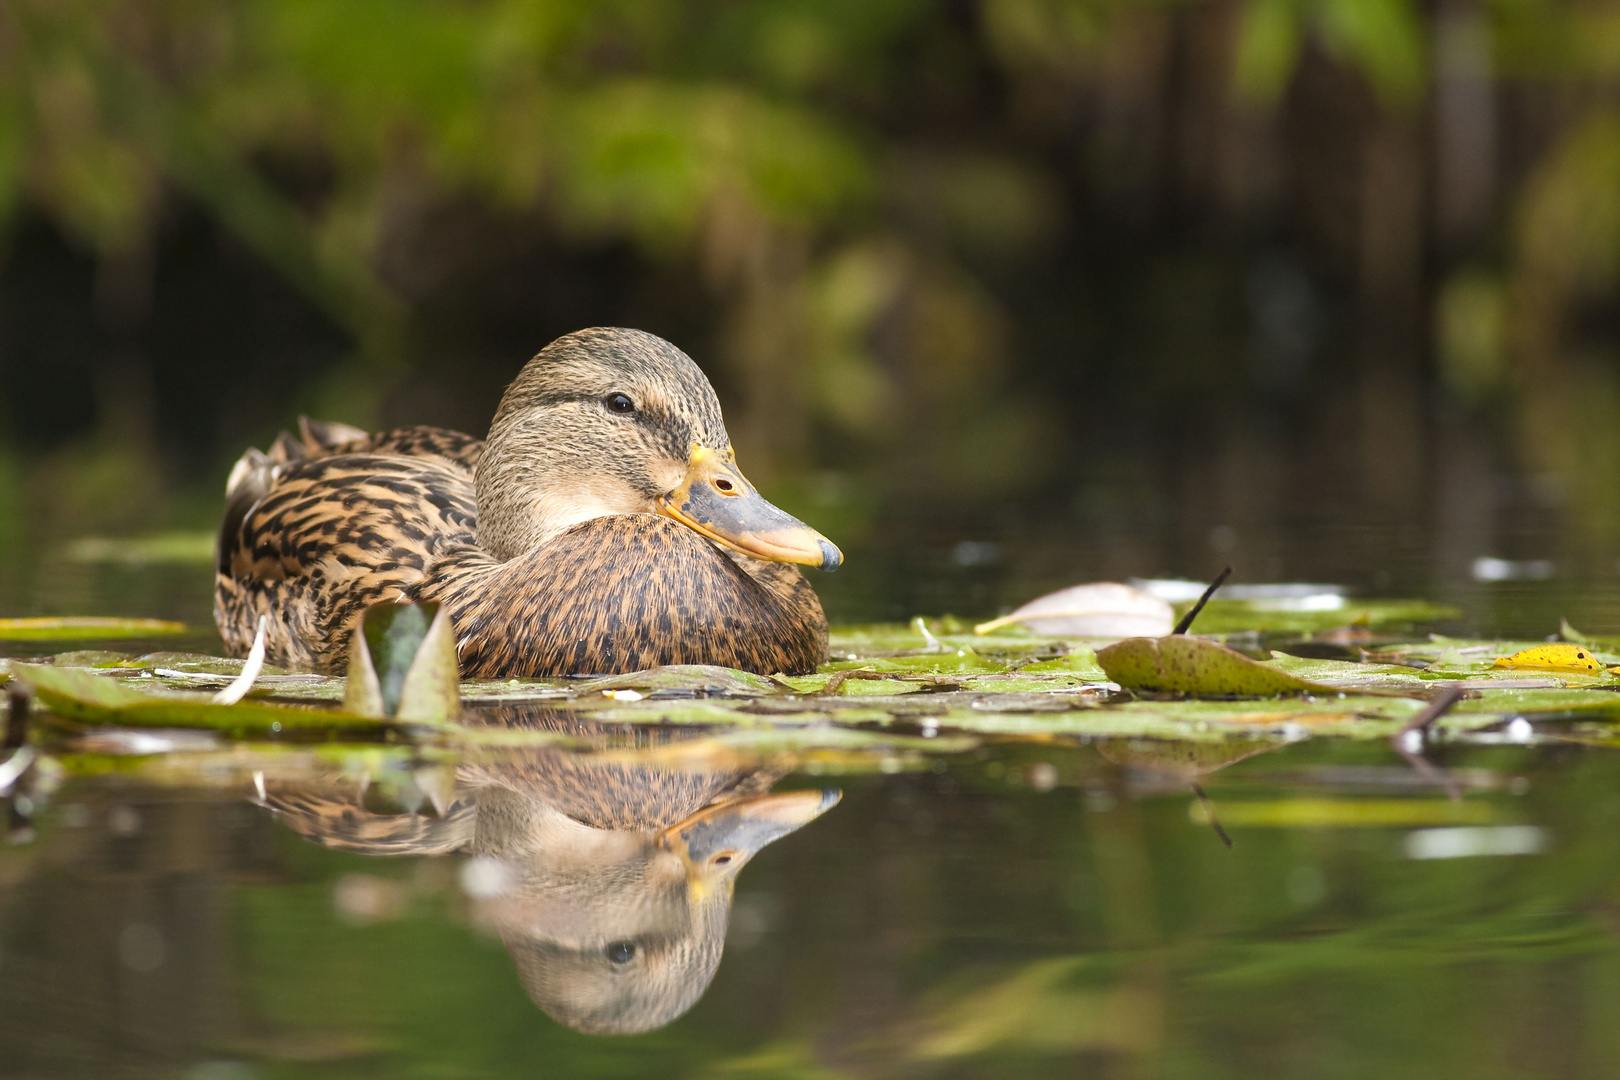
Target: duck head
pixel 611 421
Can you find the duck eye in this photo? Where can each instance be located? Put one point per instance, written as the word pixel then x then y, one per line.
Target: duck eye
pixel 620 403
pixel 620 952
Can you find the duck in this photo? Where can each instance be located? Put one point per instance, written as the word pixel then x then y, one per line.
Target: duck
pixel 611 865
pixel 603 526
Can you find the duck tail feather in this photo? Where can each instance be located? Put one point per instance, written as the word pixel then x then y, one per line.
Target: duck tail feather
pixel 285 449
pixel 323 436
pixel 250 478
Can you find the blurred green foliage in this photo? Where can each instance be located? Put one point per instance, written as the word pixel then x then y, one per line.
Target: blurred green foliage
pixel 1051 253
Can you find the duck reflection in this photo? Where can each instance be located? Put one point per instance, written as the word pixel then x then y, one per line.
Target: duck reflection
pixel 607 873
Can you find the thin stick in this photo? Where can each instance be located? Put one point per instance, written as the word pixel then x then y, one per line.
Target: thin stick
pixel 1186 620
pixel 16 716
pixel 1204 800
pixel 1438 706
pixel 1435 775
pixel 1441 704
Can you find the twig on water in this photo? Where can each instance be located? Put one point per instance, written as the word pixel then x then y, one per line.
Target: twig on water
pixel 16 716
pixel 1187 619
pixel 1209 806
pixel 1408 742
pixel 1438 706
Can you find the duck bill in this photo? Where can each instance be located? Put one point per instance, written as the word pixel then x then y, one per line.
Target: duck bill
pixel 716 500
pixel 715 842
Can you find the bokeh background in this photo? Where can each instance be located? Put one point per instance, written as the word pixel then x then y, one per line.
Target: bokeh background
pixel 1001 294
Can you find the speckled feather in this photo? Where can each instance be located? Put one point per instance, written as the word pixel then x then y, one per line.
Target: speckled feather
pixel 392 517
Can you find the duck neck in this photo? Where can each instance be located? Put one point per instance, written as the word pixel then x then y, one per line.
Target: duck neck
pixel 521 502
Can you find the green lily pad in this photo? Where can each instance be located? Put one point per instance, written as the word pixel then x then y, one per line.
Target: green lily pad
pixel 94 699
pixel 69 627
pixel 1574 636
pixel 92 658
pixel 683 678
pixel 1223 616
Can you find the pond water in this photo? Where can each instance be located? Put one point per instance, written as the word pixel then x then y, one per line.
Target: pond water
pixel 982 871
pixel 1039 910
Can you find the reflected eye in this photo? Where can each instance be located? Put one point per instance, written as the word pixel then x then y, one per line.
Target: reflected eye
pixel 620 952
pixel 620 403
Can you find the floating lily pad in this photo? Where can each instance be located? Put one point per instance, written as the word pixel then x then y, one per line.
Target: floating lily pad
pixel 67 628
pixel 1224 616
pixel 683 678
pixel 94 699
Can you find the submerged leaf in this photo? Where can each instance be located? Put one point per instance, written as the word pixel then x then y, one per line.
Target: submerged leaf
pixel 68 627
pixel 1190 665
pixel 1101 609
pixel 177 547
pixel 1557 657
pixel 1183 757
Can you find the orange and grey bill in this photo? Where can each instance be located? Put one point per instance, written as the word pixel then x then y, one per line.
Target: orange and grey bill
pixel 716 500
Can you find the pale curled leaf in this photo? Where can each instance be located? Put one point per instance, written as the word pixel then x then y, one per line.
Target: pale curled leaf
pixel 431 692
pixel 1100 609
pixel 362 693
pixel 239 686
pixel 402 664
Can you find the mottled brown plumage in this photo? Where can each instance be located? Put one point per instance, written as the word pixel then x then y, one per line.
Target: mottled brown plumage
pixel 576 540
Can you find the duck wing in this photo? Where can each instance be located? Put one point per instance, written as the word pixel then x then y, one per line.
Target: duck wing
pixel 315 534
pixel 418 440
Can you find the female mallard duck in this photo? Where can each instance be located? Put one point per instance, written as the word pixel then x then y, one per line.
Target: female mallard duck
pixel 602 527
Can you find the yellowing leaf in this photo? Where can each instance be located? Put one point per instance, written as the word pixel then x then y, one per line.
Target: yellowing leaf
pixel 1190 665
pixel 1558 657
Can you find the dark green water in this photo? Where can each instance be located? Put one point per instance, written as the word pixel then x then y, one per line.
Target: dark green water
pixel 1014 910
